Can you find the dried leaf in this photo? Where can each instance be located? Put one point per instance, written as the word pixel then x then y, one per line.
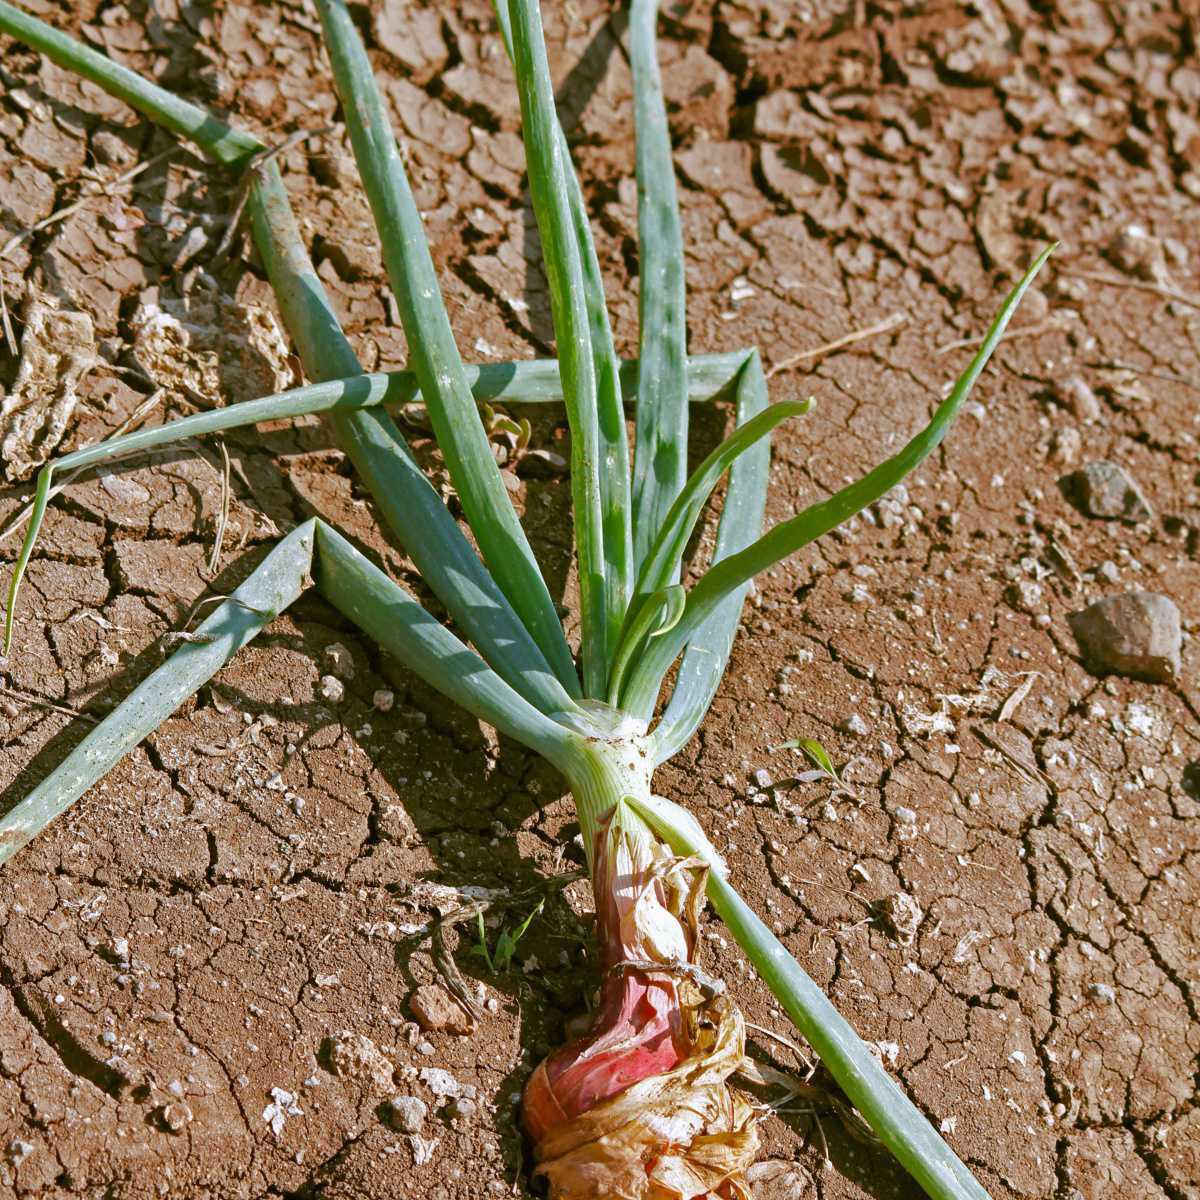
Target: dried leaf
pixel 58 349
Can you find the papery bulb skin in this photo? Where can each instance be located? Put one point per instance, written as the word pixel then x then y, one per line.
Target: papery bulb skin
pixel 640 1108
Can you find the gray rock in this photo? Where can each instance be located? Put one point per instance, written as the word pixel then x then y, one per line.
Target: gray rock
pixel 1136 634
pixel 406 1114
pixel 1106 490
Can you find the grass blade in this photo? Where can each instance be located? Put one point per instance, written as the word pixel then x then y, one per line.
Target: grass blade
pixel 898 1122
pixel 614 478
pixel 789 536
pixel 272 586
pixel 433 352
pixel 708 651
pixel 661 438
pixel 549 189
pixel 388 614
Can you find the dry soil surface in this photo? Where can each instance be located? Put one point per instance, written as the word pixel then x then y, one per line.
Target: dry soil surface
pixel 191 960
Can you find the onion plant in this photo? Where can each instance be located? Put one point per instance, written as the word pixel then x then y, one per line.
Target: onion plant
pixel 647 1104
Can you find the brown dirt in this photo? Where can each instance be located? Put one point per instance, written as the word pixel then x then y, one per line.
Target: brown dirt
pixel 239 890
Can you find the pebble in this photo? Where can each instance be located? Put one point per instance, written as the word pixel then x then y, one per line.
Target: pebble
pixel 1136 634
pixel 442 1083
pixel 1066 445
pixel 383 700
pixel 18 1151
pixel 435 1010
pixel 762 778
pixel 901 915
pixel 854 725
pixel 461 1109
pixel 332 688
pixel 1076 394
pixel 1106 490
pixel 406 1114
pixel 340 660
pixel 1101 991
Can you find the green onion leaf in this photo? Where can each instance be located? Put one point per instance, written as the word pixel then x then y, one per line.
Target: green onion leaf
pixel 661 437
pixel 591 456
pixel 708 650
pixel 432 349
pixel 791 535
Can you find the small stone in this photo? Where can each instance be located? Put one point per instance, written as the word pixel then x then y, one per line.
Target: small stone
pixel 441 1083
pixel 340 660
pixel 461 1109
pixel 1108 571
pixel 1066 445
pixel 406 1114
pixel 900 915
pixel 1136 634
pixel 905 814
pixel 1106 490
pixel 854 725
pixel 1077 397
pixel 1136 252
pixel 383 700
pixel 762 778
pixel 435 1010
pixel 18 1151
pixel 1102 992
pixel 332 688
pixel 1025 595
pixel 174 1118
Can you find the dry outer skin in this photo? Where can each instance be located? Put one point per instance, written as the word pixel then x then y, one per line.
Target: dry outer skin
pixel 240 890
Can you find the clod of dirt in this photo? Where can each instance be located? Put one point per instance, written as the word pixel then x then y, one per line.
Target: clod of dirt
pixel 211 346
pixel 175 1117
pixel 1105 489
pixel 58 349
pixel 778 1179
pixel 406 1114
pixel 855 726
pixel 435 1010
pixel 1077 396
pixel 1065 445
pixel 1135 252
pixel 353 1055
pixel 332 688
pixel 901 916
pixel 1136 634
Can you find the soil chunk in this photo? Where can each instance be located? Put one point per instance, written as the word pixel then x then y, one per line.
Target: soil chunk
pixel 435 1010
pixel 1136 634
